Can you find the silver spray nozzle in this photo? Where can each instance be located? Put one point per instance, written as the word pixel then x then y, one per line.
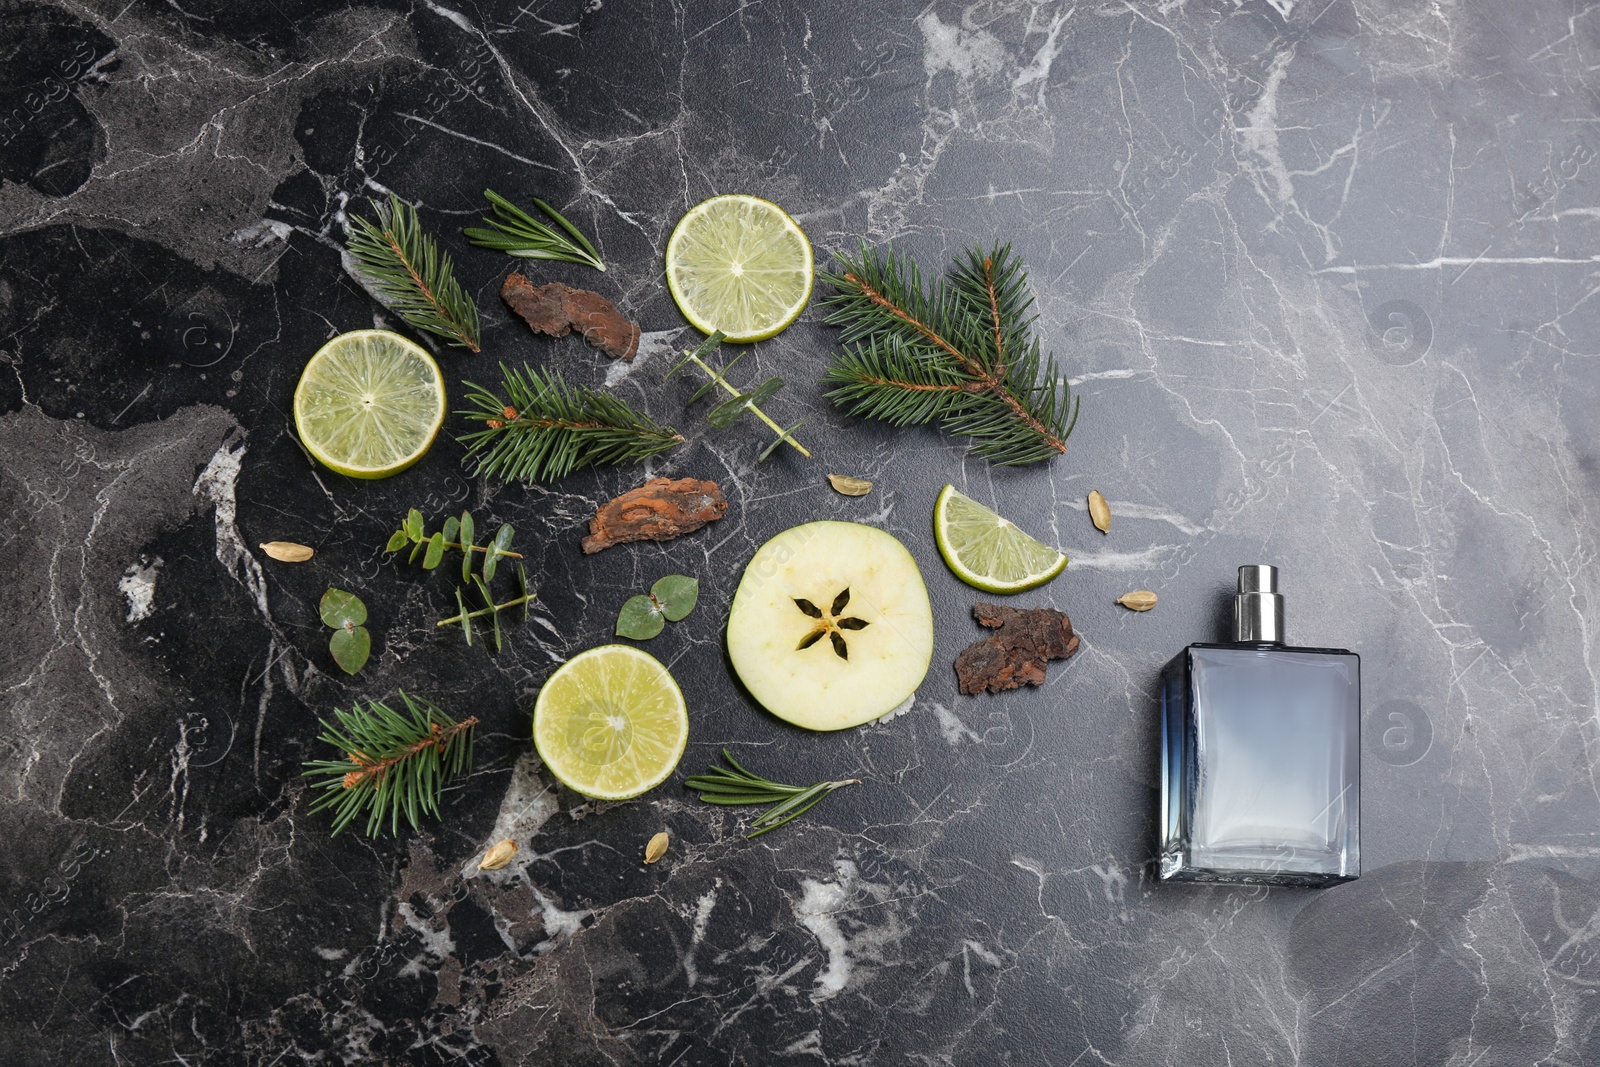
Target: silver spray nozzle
pixel 1258 606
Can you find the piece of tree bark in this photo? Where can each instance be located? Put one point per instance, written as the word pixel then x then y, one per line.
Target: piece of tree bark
pixel 658 510
pixel 556 310
pixel 1025 639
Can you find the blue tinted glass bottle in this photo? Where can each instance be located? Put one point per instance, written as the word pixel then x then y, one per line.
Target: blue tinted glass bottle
pixel 1261 755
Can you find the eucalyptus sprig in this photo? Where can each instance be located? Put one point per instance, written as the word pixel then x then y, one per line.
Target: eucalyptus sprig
pixel 457 535
pixel 725 413
pixel 959 352
pixel 543 429
pixel 734 785
pixel 519 234
pixel 395 764
pixel 411 275
pixel 351 643
pixel 670 599
pixel 490 608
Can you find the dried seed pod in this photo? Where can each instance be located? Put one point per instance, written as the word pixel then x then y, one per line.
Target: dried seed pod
pixel 843 483
pixel 656 848
pixel 498 856
pixel 1138 600
pixel 287 551
pixel 1099 511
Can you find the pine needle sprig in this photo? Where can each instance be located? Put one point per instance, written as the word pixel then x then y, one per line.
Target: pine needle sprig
pixel 395 763
pixel 544 428
pixel 517 233
pixel 411 275
pixel 959 351
pixel 734 785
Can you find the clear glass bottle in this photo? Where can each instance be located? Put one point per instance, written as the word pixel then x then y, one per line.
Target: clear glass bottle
pixel 1261 754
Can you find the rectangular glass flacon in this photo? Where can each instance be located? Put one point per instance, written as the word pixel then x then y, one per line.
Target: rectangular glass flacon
pixel 1260 750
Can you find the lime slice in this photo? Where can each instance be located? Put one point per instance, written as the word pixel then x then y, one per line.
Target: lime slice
pixel 987 551
pixel 369 404
pixel 611 723
pixel 740 265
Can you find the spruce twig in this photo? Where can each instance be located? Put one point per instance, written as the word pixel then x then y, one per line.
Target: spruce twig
pixel 411 275
pixel 394 765
pixel 545 429
pixel 519 234
pixel 959 352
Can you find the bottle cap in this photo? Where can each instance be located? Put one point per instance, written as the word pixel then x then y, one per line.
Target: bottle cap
pixel 1258 606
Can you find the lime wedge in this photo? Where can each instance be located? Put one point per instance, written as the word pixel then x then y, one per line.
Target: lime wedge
pixel 740 265
pixel 611 723
pixel 369 404
pixel 987 551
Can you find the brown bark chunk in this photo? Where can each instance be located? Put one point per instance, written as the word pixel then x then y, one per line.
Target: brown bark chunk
pixel 556 310
pixel 1025 639
pixel 658 510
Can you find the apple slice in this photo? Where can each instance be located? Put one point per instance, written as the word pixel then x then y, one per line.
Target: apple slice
pixel 831 625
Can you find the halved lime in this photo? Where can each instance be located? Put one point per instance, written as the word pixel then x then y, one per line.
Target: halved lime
pixel 611 723
pixel 739 264
pixel 369 404
pixel 987 551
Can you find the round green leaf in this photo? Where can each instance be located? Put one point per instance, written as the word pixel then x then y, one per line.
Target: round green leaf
pixel 339 607
pixel 677 594
pixel 397 541
pixel 639 619
pixel 350 648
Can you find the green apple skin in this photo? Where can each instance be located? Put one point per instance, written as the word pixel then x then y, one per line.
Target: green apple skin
pixel 815 687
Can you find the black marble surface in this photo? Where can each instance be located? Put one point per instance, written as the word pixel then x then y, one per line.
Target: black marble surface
pixel 1323 272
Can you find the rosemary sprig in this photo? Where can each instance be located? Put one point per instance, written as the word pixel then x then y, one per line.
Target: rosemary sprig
pixel 725 413
pixel 959 352
pixel 395 764
pixel 734 785
pixel 517 233
pixel 411 275
pixel 545 429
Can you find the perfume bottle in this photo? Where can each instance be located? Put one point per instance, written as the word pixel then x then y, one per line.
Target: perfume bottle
pixel 1261 754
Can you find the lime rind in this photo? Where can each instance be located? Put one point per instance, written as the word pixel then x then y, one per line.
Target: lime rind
pixel 611 723
pixel 369 404
pixel 741 265
pixel 987 551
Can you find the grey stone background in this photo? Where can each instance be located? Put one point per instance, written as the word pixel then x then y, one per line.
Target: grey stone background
pixel 1322 272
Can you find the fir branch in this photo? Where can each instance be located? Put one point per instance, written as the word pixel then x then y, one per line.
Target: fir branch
pixel 395 764
pixel 733 785
pixel 519 234
pixel 411 275
pixel 959 352
pixel 545 429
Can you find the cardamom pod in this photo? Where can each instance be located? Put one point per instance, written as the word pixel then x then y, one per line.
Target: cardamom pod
pixel 656 848
pixel 498 856
pixel 287 551
pixel 1138 600
pixel 849 486
pixel 1099 511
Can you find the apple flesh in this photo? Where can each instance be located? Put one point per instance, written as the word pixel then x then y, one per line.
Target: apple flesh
pixel 831 625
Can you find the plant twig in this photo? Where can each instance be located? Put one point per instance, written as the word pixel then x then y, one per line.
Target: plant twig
pixel 734 785
pixel 411 275
pixel 724 414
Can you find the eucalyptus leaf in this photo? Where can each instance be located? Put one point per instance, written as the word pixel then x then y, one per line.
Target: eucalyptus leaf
pixel 726 413
pixel 466 618
pixel 452 527
pixel 397 541
pixel 435 553
pixel 350 648
pixel 764 392
pixel 677 594
pixel 639 619
pixel 339 608
pixel 413 525
pixel 466 546
pixel 497 548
